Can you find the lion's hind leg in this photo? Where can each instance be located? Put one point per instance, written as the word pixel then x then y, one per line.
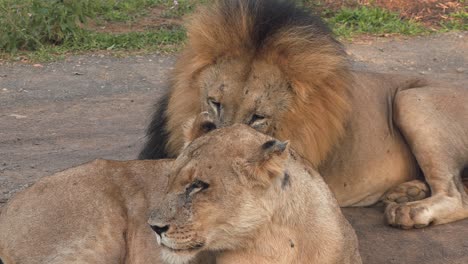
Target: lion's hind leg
pixel 434 122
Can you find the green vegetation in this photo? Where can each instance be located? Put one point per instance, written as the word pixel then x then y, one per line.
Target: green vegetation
pixel 457 21
pixel 44 29
pixel 183 7
pixel 348 22
pixel 158 40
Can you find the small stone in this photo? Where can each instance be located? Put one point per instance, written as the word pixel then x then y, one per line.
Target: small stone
pixel 460 70
pixel 18 116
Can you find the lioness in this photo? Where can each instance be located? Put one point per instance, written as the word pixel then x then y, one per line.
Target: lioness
pixel 373 137
pixel 248 196
pixel 236 191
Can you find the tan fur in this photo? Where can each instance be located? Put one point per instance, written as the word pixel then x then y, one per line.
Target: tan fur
pixel 250 213
pixel 95 213
pixel 98 212
pixel 320 91
pixel 365 132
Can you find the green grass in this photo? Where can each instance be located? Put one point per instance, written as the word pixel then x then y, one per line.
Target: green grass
pixel 349 22
pixel 182 8
pixel 457 21
pixel 34 24
pixel 122 10
pixel 164 39
pixel 48 29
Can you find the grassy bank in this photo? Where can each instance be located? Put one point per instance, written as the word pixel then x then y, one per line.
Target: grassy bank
pixel 44 30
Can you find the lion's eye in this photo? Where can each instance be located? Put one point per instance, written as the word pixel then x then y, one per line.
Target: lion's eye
pixel 196 186
pixel 256 118
pixel 215 105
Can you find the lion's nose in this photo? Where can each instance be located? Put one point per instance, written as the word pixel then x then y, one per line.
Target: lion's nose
pixel 160 229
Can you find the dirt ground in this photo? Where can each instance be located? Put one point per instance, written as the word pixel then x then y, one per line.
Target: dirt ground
pixel 95 106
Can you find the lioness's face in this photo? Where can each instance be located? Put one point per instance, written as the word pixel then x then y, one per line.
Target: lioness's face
pixel 215 195
pixel 241 91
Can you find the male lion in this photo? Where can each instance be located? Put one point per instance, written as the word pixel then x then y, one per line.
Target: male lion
pixel 373 137
pixel 235 191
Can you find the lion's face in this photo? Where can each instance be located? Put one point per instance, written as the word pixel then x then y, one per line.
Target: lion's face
pixel 245 92
pixel 215 195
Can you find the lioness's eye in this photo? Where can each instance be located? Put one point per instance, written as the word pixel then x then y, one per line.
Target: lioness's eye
pixel 196 186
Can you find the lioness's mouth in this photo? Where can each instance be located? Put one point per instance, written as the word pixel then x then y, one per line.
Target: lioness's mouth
pixel 183 250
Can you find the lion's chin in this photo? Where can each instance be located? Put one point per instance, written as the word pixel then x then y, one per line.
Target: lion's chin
pixel 172 256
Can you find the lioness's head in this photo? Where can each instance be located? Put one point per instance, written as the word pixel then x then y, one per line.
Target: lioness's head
pixel 216 194
pixel 267 64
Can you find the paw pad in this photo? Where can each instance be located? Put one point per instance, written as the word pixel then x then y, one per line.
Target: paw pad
pixel 407 192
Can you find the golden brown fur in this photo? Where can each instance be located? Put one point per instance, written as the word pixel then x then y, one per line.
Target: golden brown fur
pixel 98 212
pixel 246 196
pixel 279 70
pixel 292 49
pixel 93 213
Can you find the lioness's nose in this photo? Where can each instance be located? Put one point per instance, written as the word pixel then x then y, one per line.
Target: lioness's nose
pixel 160 229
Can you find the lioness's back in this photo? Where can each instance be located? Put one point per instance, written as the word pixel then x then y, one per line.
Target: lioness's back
pixel 49 215
pixel 84 215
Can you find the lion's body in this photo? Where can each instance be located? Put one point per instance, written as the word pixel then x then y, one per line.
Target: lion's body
pixel 373 156
pixel 272 66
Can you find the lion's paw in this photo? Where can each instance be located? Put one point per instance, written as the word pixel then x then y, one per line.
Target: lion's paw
pixel 408 215
pixel 407 192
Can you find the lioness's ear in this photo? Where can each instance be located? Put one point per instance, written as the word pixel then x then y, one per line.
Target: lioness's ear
pixel 198 126
pixel 271 160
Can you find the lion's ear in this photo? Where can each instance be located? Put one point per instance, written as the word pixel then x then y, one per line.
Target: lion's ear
pixel 198 126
